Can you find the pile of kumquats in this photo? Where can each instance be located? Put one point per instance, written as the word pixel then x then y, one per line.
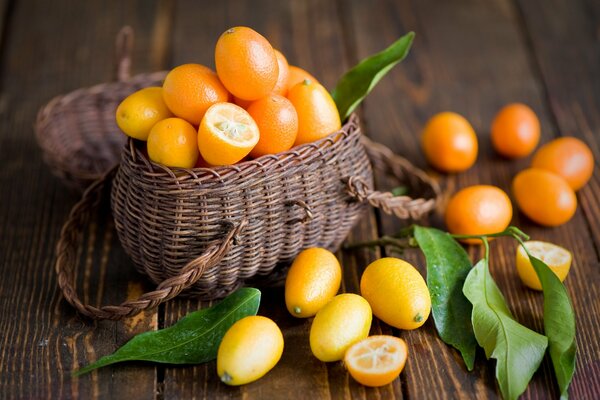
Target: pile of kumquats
pixel 255 104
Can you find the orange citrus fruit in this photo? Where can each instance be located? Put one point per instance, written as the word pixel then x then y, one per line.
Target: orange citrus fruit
pixel 226 134
pixel 172 142
pixel 138 113
pixel 317 113
pixel 558 259
pixel 246 63
pixel 478 210
pixel 282 77
pixel 544 196
pixel 376 360
pixel 189 89
pixel 449 142
pixel 396 292
pixel 568 157
pixel 297 75
pixel 277 122
pixel 313 279
pixel 515 131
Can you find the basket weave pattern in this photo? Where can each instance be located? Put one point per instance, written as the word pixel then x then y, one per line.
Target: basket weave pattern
pixel 289 201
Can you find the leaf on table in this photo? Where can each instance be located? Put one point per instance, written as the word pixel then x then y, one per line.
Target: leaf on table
pixel 400 191
pixel 194 339
pixel 559 325
pixel 358 82
pixel 517 349
pixel 447 268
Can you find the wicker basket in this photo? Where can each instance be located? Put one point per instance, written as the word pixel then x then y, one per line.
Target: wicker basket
pixel 206 231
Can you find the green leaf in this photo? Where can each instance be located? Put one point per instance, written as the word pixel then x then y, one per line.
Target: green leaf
pixel 356 84
pixel 447 268
pixel 400 191
pixel 517 349
pixel 194 339
pixel 559 325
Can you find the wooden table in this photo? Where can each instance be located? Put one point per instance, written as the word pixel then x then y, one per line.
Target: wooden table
pixel 469 56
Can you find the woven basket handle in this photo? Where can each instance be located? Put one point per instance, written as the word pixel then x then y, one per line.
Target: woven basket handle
pixel 383 159
pixel 71 237
pixel 123 47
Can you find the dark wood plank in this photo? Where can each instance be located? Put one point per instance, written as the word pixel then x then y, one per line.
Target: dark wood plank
pixel 52 48
pixel 470 58
pixel 563 36
pixel 308 34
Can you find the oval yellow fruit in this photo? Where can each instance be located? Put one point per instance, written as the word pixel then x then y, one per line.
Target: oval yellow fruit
pixel 396 292
pixel 140 111
pixel 173 142
pixel 312 281
pixel 249 349
pixel 345 320
pixel 557 258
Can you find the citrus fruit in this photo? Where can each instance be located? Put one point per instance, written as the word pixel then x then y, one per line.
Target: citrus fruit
pixel 343 321
pixel 277 122
pixel 189 89
pixel 478 210
pixel 312 281
pixel 396 292
pixel 226 134
pixel 555 257
pixel 138 113
pixel 172 142
pixel 250 348
pixel 246 63
pixel 317 113
pixel 284 72
pixel 242 103
pixel 376 360
pixel 568 157
pixel 544 197
pixel 297 75
pixel 515 131
pixel 449 142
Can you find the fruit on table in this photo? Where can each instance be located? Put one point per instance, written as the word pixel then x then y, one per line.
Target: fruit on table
pixel 478 210
pixel 249 349
pixel 190 89
pixel 568 157
pixel 558 259
pixel 284 73
pixel 515 131
pixel 277 122
pixel 345 320
pixel 226 134
pixel 544 197
pixel 140 111
pixel 317 113
pixel 172 142
pixel 449 142
pixel 376 360
pixel 312 281
pixel 396 292
pixel 246 63
pixel 297 75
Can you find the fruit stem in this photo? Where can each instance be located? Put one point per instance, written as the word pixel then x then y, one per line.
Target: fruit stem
pixel 510 231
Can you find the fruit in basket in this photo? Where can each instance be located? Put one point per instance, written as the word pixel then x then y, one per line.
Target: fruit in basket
pixel 173 142
pixel 249 349
pixel 396 292
pixel 317 113
pixel 544 197
pixel 558 259
pixel 140 111
pixel 345 320
pixel 226 134
pixel 189 89
pixel 277 122
pixel 246 63
pixel 478 210
pixel 515 131
pixel 297 75
pixel 568 157
pixel 376 360
pixel 312 281
pixel 449 142
pixel 283 74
